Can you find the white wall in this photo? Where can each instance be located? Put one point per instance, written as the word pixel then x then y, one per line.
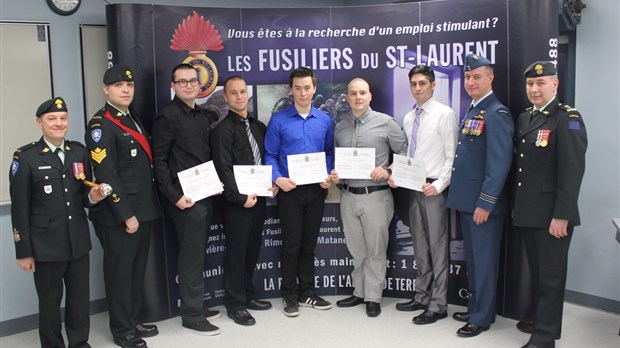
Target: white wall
pixel 594 259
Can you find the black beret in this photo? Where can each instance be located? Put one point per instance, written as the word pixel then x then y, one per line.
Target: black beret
pixel 53 105
pixel 540 68
pixel 474 61
pixel 117 73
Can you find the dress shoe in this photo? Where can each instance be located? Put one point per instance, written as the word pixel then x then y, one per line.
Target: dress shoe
pixel 373 309
pixel 130 341
pixel 410 306
pixel 211 314
pixel 471 330
pixel 428 317
pixel 258 305
pixel 242 317
pixel 350 301
pixel 143 330
pixel 526 327
pixel 461 316
pixel 539 345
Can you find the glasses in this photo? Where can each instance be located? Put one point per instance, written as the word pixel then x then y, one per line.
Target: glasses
pixel 183 83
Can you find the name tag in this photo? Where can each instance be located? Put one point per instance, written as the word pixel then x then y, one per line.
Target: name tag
pixel 45 167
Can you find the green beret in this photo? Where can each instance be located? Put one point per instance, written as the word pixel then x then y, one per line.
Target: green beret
pixel 117 73
pixel 540 68
pixel 474 61
pixel 53 105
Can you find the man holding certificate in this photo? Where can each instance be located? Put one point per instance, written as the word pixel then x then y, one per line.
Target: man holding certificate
pixel 296 137
pixel 181 132
pixel 431 128
pixel 238 147
pixel 366 204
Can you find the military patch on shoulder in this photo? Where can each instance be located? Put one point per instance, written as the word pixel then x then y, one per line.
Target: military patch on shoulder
pixel 14 167
pixel 574 124
pixel 95 125
pixel 96 134
pixel 98 155
pixel 573 116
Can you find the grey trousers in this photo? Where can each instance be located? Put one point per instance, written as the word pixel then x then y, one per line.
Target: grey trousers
pixel 366 220
pixel 431 238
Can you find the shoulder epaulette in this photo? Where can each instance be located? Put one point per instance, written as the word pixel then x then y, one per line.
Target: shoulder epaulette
pixel 75 143
pixel 567 107
pixel 528 109
pixel 23 148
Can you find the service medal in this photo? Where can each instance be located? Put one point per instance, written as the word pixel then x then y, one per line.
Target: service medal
pixel 78 170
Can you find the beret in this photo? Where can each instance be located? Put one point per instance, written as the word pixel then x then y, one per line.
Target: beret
pixel 117 73
pixel 53 105
pixel 540 68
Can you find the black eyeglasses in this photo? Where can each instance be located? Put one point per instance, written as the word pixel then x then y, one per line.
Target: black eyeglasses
pixel 183 83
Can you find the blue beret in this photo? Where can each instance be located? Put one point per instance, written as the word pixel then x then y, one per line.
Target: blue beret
pixel 117 73
pixel 53 105
pixel 540 68
pixel 474 61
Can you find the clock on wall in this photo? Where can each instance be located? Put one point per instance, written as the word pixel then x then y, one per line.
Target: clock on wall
pixel 64 7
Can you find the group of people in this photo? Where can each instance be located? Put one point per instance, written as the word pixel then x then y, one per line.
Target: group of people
pixel 473 159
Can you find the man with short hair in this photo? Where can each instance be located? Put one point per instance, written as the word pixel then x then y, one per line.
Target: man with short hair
pixel 481 164
pixel 239 140
pixel 50 229
pixel 431 128
pixel 181 136
pixel 550 149
pixel 367 205
pixel 298 129
pixel 121 156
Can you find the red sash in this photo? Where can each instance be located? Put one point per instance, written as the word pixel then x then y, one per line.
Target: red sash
pixel 140 138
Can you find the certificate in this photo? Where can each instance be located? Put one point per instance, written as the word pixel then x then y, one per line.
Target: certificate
pixel 354 163
pixel 307 168
pixel 408 172
pixel 200 182
pixel 253 180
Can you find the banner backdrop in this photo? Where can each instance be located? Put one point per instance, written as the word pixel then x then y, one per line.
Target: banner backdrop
pixel 378 43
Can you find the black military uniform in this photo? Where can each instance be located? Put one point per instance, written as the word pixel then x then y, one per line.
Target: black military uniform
pixel 50 225
pixel 120 160
pixel 550 162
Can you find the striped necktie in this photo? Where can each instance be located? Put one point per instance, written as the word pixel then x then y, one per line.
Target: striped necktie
pixel 255 150
pixel 414 131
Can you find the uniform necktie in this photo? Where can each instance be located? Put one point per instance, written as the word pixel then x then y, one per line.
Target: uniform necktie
pixel 253 144
pixel 60 154
pixel 414 131
pixel 470 108
pixel 533 115
pixel 134 123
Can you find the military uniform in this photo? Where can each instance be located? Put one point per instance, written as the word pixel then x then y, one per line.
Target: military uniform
pixel 50 225
pixel 481 164
pixel 550 148
pixel 121 161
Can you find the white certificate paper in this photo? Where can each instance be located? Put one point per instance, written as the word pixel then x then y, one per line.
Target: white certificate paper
pixel 253 180
pixel 200 182
pixel 354 163
pixel 307 168
pixel 408 172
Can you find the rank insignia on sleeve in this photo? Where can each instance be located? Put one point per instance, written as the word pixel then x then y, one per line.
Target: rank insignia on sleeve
pixel 16 236
pixel 98 155
pixel 96 134
pixel 14 167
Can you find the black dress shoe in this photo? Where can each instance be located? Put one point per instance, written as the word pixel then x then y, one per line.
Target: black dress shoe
pixel 410 306
pixel 526 327
pixel 258 305
pixel 461 316
pixel 539 345
pixel 130 341
pixel 428 317
pixel 471 330
pixel 350 301
pixel 143 330
pixel 373 309
pixel 242 317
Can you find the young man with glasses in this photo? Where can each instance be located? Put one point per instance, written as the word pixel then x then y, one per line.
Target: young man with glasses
pixel 181 136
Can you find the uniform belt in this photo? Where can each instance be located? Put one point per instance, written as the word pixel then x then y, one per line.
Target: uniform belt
pixel 364 190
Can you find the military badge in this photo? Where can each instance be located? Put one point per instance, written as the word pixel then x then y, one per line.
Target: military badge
pixel 115 198
pixel 16 236
pixel 539 69
pixel 58 103
pixel 473 126
pixel 98 155
pixel 96 135
pixel 134 152
pixel 197 35
pixel 47 189
pixel 14 167
pixel 542 137
pixel 78 170
pixel 45 150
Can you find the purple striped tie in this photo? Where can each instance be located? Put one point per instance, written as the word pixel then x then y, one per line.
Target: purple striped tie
pixel 414 131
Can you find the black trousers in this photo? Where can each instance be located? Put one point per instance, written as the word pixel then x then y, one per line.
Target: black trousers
pixel 547 257
pixel 124 265
pixel 192 227
pixel 48 280
pixel 244 232
pixel 301 213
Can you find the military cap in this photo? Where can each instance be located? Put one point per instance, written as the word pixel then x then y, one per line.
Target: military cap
pixel 117 73
pixel 53 105
pixel 540 68
pixel 474 61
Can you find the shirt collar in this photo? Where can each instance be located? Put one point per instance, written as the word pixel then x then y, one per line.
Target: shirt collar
pixel 119 110
pixel 481 99
pixel 544 106
pixel 53 148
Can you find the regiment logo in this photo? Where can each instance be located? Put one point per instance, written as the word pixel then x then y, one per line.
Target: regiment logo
pixel 96 134
pixel 197 35
pixel 14 167
pixel 58 103
pixel 539 69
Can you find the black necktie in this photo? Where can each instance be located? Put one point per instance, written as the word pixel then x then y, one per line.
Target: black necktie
pixel 533 115
pixel 60 156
